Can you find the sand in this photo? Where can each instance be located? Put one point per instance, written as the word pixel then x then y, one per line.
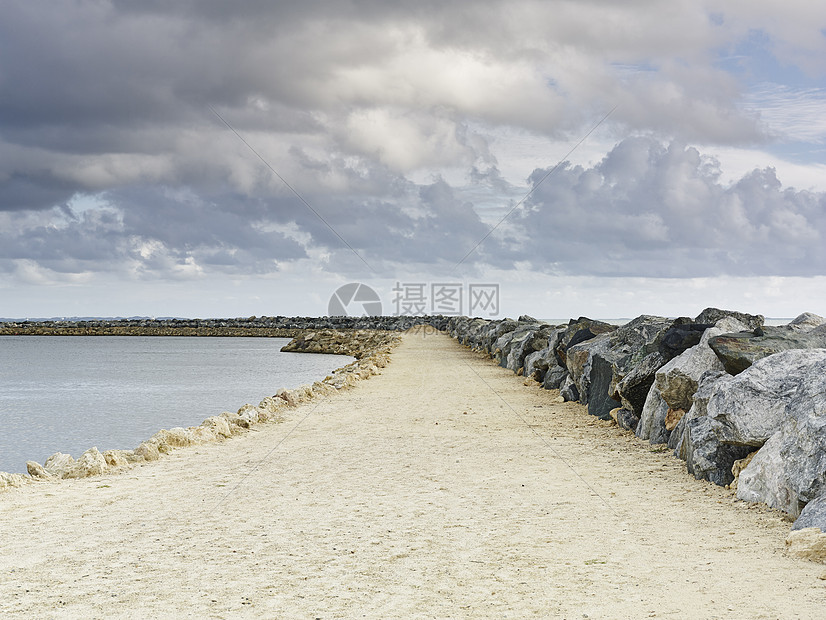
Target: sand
pixel 444 487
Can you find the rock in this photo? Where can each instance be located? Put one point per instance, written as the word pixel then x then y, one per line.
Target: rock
pixel 147 451
pixel 11 481
pixel 577 331
pixel 90 463
pixel 712 315
pixel 555 377
pixel 778 406
pixel 358 343
pixel 218 425
pixel 627 419
pixel 621 349
pixel 117 458
pixel 36 470
pixel 707 457
pixel 249 413
pixel 679 378
pixel 680 338
pixel 536 364
pixel 579 358
pixel 739 351
pixel 754 404
pixel 58 464
pixel 633 388
pixel 808 543
pixel 651 424
pixel 738 466
pixel 568 391
pixel 672 418
pixel 706 386
pixel 600 402
pixel 235 421
pixel 813 515
pixel 167 440
pixel 806 322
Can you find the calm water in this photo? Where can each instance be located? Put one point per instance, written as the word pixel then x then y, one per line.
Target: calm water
pixel 69 393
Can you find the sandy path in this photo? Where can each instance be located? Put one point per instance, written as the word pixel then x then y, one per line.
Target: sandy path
pixel 442 488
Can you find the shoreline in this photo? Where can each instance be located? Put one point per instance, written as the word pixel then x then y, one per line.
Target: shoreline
pixel 370 349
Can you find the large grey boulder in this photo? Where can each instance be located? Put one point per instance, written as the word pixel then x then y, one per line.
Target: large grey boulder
pixel 741 350
pixel 708 457
pixel 806 322
pixel 536 364
pixel 789 471
pixel 579 362
pixel 494 331
pixel 779 406
pixel 568 389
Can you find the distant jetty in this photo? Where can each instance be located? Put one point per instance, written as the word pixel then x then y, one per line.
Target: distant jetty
pixel 261 327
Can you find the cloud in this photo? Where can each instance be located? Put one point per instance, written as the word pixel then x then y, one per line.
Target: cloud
pixel 389 119
pixel 661 211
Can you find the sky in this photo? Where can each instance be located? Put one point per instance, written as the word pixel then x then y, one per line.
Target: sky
pixel 553 158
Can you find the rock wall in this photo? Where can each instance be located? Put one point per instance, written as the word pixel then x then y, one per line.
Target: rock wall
pixel 271 327
pixel 741 403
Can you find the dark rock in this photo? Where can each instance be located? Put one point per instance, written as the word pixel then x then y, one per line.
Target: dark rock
pixel 680 338
pixel 582 329
pixel 599 402
pixel 708 457
pixel 555 377
pixel 627 419
pixel 679 378
pixel 705 390
pixel 634 387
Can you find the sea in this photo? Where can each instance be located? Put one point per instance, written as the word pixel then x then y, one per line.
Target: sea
pixel 69 393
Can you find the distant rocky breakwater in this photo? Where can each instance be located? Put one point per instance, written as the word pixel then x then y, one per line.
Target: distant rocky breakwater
pixel 264 327
pixel 370 347
pixel 742 403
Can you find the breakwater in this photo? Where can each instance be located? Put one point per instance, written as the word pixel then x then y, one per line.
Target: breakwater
pixel 261 327
pixel 743 404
